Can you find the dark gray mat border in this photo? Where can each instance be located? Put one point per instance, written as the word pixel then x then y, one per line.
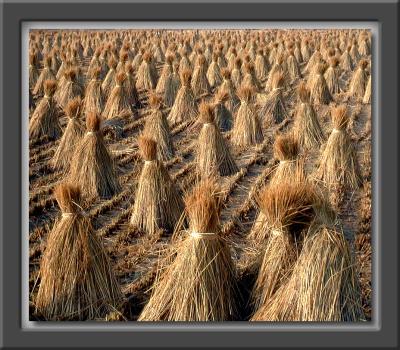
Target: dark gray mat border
pixel 385 171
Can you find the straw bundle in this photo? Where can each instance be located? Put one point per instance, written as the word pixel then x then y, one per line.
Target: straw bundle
pixel 146 77
pixel 94 99
pixel 123 58
pixel 72 135
pixel 274 110
pixel 276 69
pixel 359 81
pixel 249 78
pixel 92 167
pixel 45 74
pixel 69 88
pixel 199 84
pixel 222 115
pixel 364 48
pixel 346 63
pixel 185 107
pixel 355 55
pixel 261 66
pixel 214 72
pixel 157 202
pixel 286 150
pixel 137 60
pixel 77 282
pixel 156 128
pixel 292 66
pixel 306 124
pixel 44 120
pixel 130 87
pixel 165 75
pixel 184 63
pixel 297 53
pixel 109 81
pixel 367 95
pixel 323 286
pixel 305 50
pixel 172 86
pixel 313 62
pixel 232 101
pixel 247 127
pixel 118 103
pixel 212 153
pixel 339 164
pixel 94 65
pixel 33 71
pixel 236 74
pixel 319 91
pixel 199 283
pixel 332 75
pixel 288 210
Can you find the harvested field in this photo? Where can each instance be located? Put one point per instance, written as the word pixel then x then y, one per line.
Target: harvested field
pixel 135 255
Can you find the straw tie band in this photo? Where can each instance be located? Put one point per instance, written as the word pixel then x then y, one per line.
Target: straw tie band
pixel 90 133
pixel 276 232
pixel 206 235
pixel 335 130
pixel 69 214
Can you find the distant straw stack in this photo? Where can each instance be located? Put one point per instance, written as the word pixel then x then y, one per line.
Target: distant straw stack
pixel 92 167
pixel 339 164
pixel 185 107
pixel 157 128
pixel 44 120
pixel 247 127
pixel 158 204
pixel 306 125
pixel 213 156
pixel 71 137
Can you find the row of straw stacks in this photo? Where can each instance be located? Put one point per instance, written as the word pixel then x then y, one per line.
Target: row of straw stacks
pixel 231 91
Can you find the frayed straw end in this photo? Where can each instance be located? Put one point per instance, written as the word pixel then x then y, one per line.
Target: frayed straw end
pixel 148 148
pixel 68 197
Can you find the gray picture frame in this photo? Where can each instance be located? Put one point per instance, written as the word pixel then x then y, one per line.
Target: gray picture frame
pixel 380 333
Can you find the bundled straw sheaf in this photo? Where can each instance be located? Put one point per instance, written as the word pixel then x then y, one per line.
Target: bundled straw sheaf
pixel 247 127
pixel 118 104
pixel 306 125
pixel 71 137
pixel 158 204
pixel 92 167
pixel 76 278
pixel 339 164
pixel 45 118
pixel 288 210
pixel 286 151
pixel 157 128
pixel 323 286
pixel 319 91
pixel 274 109
pixel 197 282
pixel 94 99
pixel 185 107
pixel 45 74
pixel 213 156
